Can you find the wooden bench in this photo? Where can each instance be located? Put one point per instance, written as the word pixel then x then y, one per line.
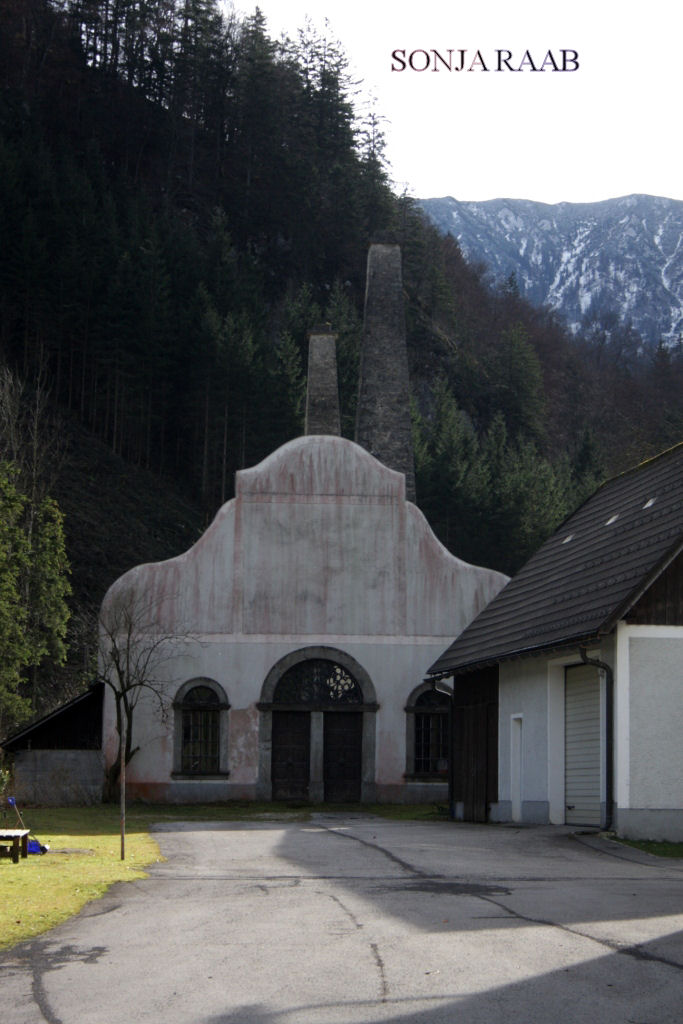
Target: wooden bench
pixel 19 840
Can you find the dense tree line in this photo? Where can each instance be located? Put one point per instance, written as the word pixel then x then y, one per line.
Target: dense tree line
pixel 182 198
pixel 34 569
pixel 174 185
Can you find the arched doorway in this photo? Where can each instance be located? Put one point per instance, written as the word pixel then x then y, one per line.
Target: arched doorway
pixel 321 729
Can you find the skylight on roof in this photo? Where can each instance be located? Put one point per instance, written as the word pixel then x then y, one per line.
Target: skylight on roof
pixel 649 503
pixel 612 519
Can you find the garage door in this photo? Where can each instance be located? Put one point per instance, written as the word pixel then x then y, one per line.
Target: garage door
pixel 582 746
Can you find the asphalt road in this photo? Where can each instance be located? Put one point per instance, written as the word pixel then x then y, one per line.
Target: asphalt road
pixel 355 919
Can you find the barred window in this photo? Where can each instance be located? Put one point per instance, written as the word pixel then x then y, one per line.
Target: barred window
pixel 431 740
pixel 200 753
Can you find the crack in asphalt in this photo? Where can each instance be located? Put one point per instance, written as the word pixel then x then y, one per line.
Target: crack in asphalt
pixel 403 864
pixel 439 884
pixel 382 974
pixel 40 958
pixel 635 951
pixel 374 948
pixel 349 913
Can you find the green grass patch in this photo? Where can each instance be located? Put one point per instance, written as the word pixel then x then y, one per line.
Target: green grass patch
pixel 85 852
pixel 84 861
pixel 659 849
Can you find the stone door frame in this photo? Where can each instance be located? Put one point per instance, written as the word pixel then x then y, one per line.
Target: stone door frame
pixel 368 709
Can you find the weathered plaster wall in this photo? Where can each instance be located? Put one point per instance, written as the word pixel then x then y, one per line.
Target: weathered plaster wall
pixel 318 548
pixel 240 667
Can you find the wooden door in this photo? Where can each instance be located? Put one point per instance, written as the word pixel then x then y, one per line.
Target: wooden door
pixel 474 749
pixel 342 756
pixel 291 755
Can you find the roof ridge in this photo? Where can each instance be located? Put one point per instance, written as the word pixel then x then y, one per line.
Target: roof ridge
pixel 632 470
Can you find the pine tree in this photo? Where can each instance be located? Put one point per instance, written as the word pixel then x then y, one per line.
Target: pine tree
pixel 15 650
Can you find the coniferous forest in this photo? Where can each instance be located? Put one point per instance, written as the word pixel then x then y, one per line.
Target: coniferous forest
pixel 182 198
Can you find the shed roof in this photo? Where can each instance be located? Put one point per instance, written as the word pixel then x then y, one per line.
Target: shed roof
pixel 75 725
pixel 587 575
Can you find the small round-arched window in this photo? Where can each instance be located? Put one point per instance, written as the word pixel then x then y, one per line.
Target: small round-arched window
pixel 200 754
pixel 318 683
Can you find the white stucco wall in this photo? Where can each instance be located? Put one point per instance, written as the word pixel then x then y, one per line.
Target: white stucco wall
pixel 647 663
pixel 649 718
pixel 531 737
pixel 318 548
pixel 656 717
pixel 523 707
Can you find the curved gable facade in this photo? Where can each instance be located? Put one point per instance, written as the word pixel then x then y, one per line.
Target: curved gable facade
pixel 318 551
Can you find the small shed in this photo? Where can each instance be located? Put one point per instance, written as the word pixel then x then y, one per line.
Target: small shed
pixel 58 759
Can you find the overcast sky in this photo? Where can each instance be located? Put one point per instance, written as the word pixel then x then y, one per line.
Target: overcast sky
pixel 609 129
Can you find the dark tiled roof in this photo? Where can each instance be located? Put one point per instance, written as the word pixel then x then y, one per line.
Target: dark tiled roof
pixel 588 574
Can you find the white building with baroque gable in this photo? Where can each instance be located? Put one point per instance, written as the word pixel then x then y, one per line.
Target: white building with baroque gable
pixel 295 639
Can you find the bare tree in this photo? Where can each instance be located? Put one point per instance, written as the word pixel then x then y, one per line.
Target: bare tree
pixel 133 653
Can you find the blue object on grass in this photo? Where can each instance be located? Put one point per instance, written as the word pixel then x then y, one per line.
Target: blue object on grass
pixel 35 846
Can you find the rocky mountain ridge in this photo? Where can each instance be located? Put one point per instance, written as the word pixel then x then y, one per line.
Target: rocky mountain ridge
pixel 609 263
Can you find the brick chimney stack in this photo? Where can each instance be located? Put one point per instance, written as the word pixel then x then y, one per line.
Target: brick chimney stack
pixel 322 394
pixel 383 415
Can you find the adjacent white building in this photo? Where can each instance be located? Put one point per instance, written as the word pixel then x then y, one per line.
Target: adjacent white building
pixel 579 663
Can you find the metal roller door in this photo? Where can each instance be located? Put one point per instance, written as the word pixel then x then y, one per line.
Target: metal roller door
pixel 582 746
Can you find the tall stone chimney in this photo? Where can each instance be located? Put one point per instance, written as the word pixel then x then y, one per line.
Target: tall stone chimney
pixel 383 414
pixel 322 393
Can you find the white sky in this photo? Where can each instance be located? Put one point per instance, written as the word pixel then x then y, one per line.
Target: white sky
pixel 611 128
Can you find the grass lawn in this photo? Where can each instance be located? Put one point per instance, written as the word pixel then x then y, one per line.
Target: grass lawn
pixel 85 853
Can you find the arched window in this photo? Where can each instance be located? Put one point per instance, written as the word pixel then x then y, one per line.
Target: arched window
pixel 428 740
pixel 200 732
pixel 201 729
pixel 317 682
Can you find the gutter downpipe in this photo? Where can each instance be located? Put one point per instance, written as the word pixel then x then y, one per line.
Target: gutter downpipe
pixel 609 733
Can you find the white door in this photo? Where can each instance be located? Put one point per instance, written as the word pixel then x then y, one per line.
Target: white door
pixel 582 746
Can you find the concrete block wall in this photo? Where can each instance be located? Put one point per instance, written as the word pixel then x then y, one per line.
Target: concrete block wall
pixel 57 778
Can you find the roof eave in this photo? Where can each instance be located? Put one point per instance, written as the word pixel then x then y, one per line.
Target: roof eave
pixel 579 639
pixel 603 629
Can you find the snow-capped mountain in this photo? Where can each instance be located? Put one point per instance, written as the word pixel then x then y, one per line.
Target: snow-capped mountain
pixel 585 260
